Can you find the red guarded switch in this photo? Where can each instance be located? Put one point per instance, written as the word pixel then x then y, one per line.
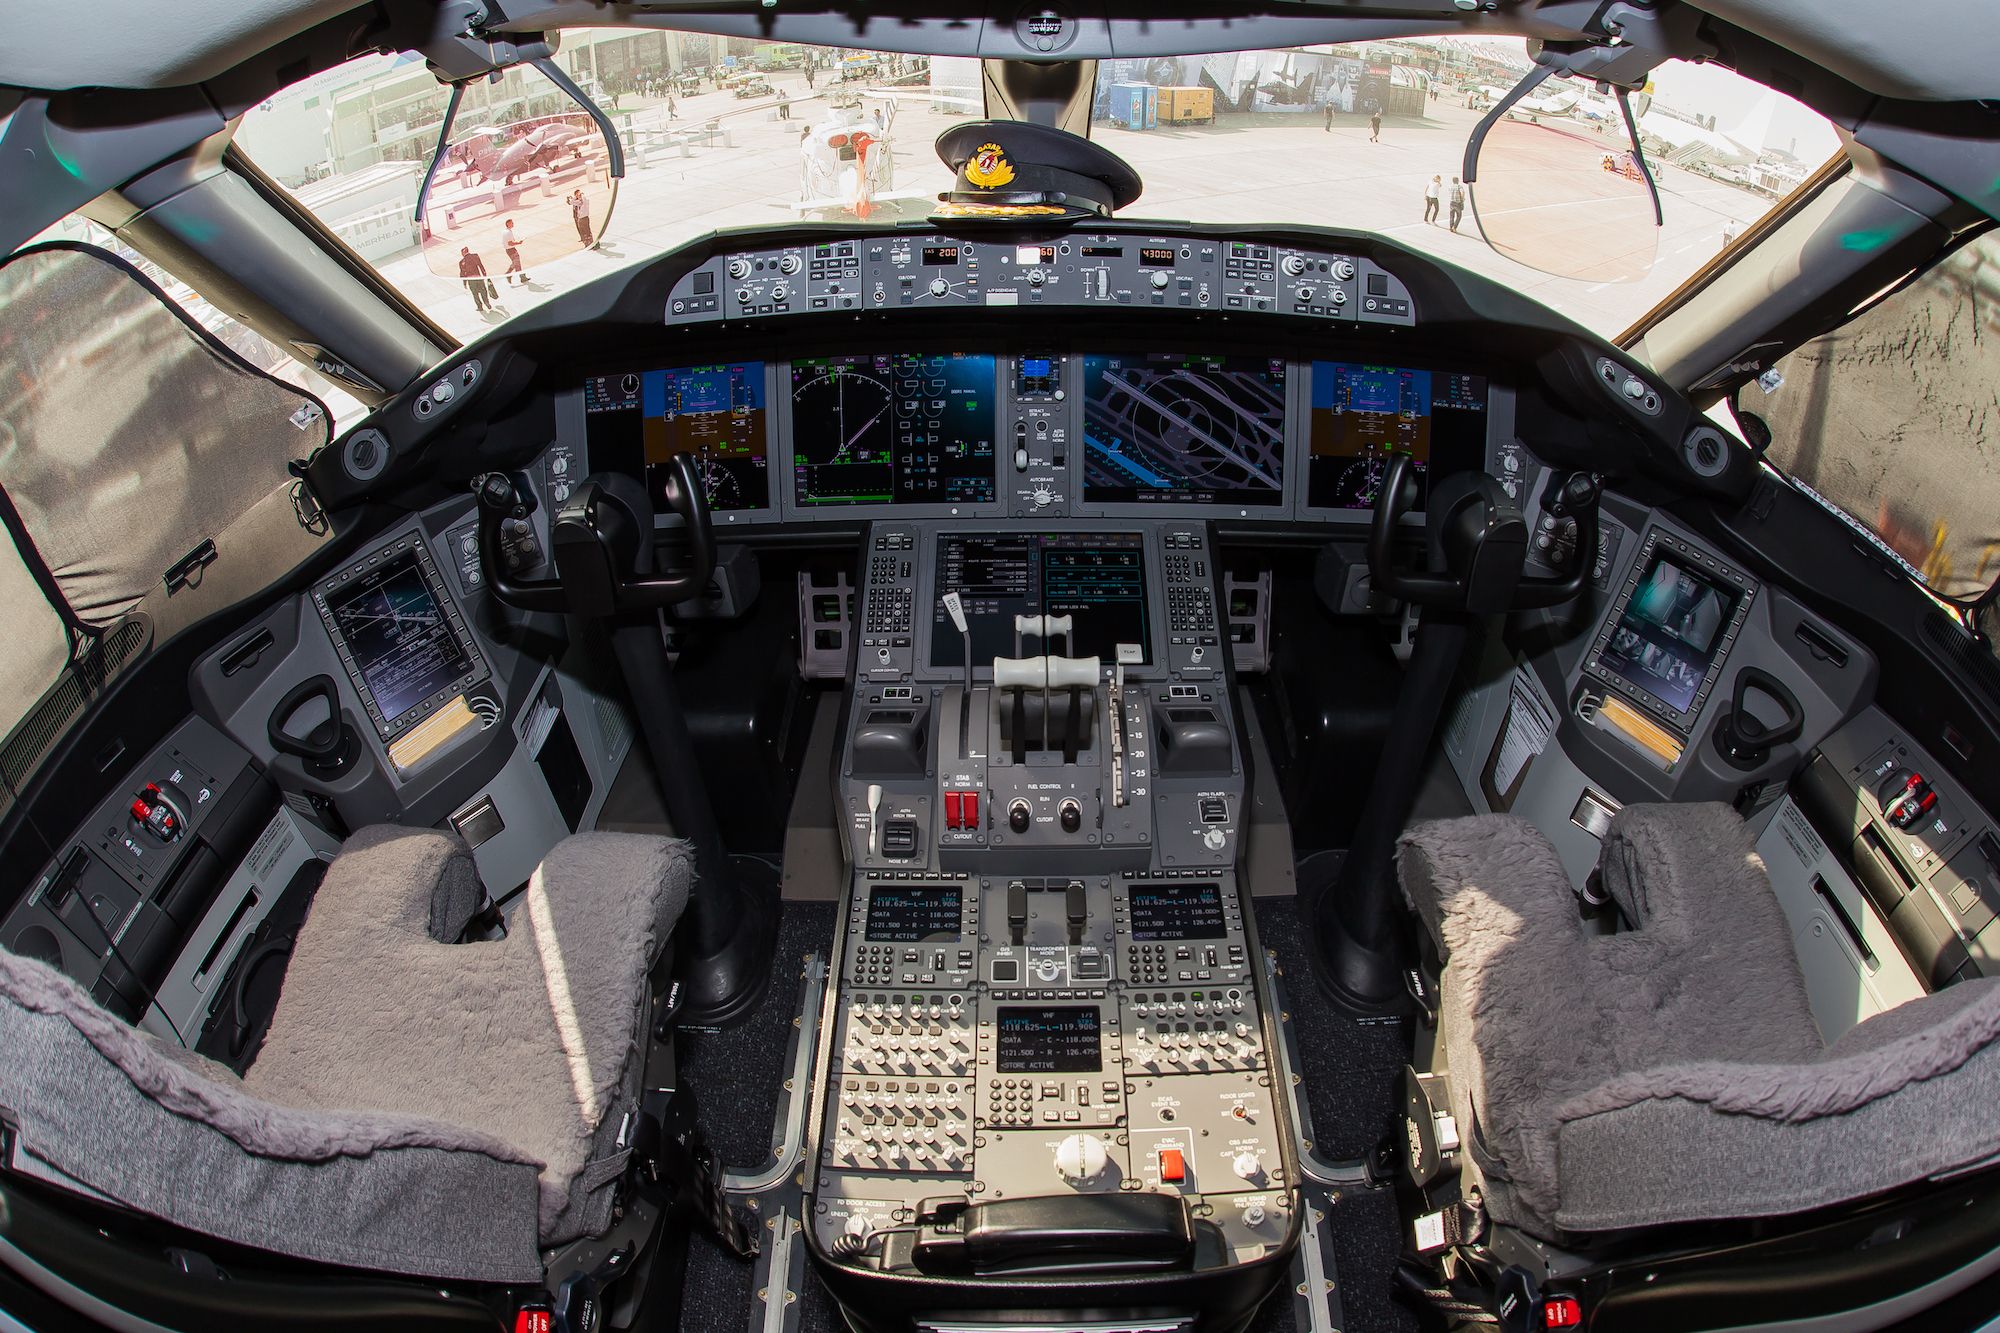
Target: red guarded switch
pixel 972 809
pixel 952 808
pixel 1173 1167
pixel 1562 1312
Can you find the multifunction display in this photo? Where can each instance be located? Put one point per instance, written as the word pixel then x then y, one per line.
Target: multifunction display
pixel 642 420
pixel 1096 578
pixel 1062 1040
pixel 1184 429
pixel 1671 630
pixel 403 646
pixel 905 913
pixel 1362 415
pixel 1177 912
pixel 892 429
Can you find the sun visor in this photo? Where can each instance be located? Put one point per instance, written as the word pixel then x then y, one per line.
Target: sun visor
pixel 129 435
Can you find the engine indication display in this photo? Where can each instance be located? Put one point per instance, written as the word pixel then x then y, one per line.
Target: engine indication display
pixel 715 412
pixel 1364 415
pixel 905 913
pixel 1177 912
pixel 1059 1040
pixel 1184 430
pixel 893 429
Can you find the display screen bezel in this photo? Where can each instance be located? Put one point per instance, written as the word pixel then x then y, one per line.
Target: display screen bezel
pixel 882 927
pixel 1156 927
pixel 412 546
pixel 1499 402
pixel 1657 548
pixel 940 637
pixel 1011 1057
pixel 799 509
pixel 1274 503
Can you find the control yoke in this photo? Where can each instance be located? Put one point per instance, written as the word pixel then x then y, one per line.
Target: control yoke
pixel 1477 537
pixel 603 544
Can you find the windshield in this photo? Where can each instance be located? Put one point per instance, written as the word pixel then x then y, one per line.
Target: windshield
pixel 722 132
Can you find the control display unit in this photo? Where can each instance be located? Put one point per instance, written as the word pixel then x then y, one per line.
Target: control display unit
pixel 1675 621
pixel 892 429
pixel 399 635
pixel 907 913
pixel 1361 415
pixel 639 421
pixel 1058 1040
pixel 1097 578
pixel 1177 912
pixel 1184 429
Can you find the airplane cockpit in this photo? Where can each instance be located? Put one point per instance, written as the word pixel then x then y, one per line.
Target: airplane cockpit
pixel 768 667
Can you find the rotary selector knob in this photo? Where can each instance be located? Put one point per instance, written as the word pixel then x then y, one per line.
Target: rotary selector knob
pixel 1293 265
pixel 1343 269
pixel 1081 1158
pixel 1305 293
pixel 781 293
pixel 1048 971
pixel 1246 1165
pixel 743 296
pixel 1043 497
pixel 788 265
pixel 1336 297
pixel 1161 278
pixel 739 268
pixel 939 287
pixel 1036 277
pixel 1213 838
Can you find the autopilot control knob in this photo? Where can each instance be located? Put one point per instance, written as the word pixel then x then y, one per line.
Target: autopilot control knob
pixel 1081 1158
pixel 1070 815
pixel 939 287
pixel 1019 816
pixel 1036 277
pixel 1161 278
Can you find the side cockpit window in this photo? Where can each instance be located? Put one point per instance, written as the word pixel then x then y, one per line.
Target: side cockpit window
pixel 1894 420
pixel 144 480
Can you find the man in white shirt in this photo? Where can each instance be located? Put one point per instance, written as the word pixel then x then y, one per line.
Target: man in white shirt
pixel 1431 192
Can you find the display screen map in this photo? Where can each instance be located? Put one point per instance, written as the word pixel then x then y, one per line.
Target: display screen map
pixel 1184 430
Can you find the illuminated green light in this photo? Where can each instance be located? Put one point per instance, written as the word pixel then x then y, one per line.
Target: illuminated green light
pixel 1865 240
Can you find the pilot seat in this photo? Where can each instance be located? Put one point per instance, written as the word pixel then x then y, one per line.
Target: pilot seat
pixel 418 1106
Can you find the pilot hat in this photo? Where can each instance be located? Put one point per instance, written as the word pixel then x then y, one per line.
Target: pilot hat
pixel 1012 169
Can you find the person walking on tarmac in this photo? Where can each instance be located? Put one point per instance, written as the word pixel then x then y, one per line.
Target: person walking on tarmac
pixel 579 211
pixel 1329 117
pixel 1375 125
pixel 472 272
pixel 512 240
pixel 1431 193
pixel 1457 199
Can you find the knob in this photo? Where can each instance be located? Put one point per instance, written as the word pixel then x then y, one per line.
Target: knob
pixel 1336 297
pixel 739 267
pixel 1161 278
pixel 1043 497
pixel 1253 1213
pixel 781 293
pixel 1213 838
pixel 1635 388
pixel 1036 277
pixel 788 265
pixel 939 287
pixel 1048 971
pixel 1070 816
pixel 1081 1158
pixel 1019 816
pixel 1293 265
pixel 1305 293
pixel 1246 1165
pixel 743 296
pixel 1343 269
pixel 857 1227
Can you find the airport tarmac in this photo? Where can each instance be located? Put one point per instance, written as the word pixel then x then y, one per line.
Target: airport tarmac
pixel 1261 169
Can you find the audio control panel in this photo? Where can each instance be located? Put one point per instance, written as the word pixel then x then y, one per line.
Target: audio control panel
pixel 1142 268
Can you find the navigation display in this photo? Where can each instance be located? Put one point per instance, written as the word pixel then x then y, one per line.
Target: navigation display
pixel 1061 1040
pixel 1361 415
pixel 902 913
pixel 1670 632
pixel 637 422
pixel 394 626
pixel 1177 912
pixel 900 429
pixel 1097 578
pixel 1184 430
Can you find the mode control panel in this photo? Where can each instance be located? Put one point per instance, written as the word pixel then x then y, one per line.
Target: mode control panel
pixel 1134 268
